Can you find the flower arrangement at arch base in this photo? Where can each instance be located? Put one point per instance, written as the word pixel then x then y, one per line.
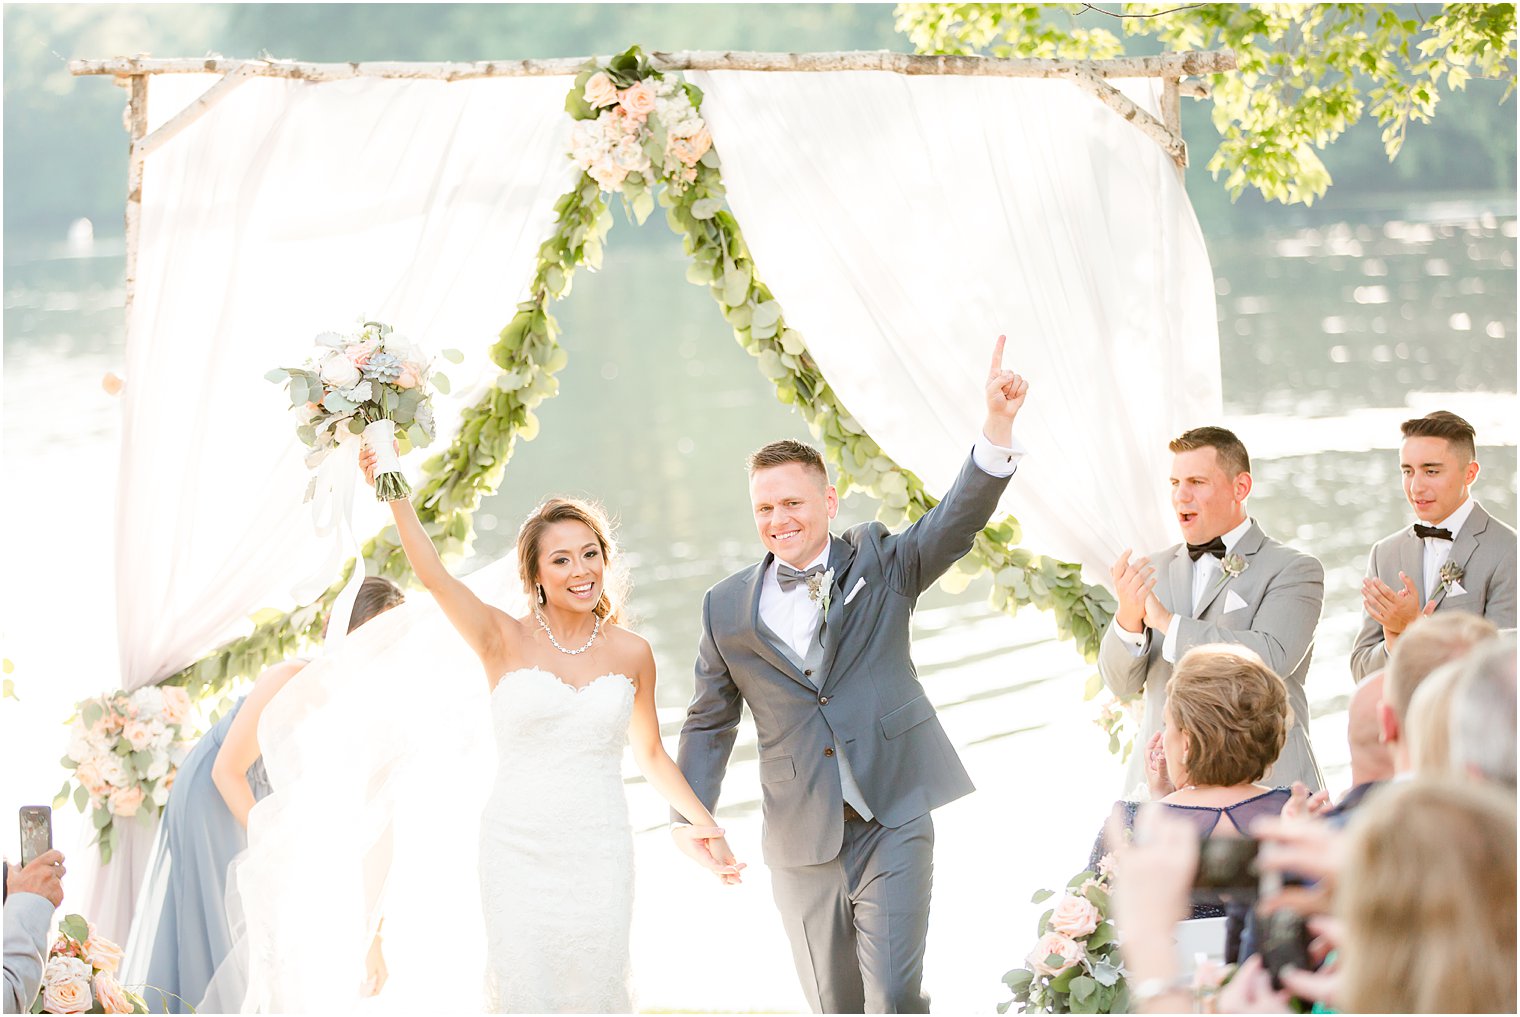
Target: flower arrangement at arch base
pixel 1075 965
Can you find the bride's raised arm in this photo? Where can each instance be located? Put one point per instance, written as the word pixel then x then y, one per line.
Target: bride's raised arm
pixel 491 633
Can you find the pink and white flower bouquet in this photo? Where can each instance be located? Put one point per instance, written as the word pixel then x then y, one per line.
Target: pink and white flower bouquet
pixel 371 382
pixel 125 750
pixel 636 128
pixel 1075 965
pixel 80 974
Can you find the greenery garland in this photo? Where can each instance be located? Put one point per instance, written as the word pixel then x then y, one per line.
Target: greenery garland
pixel 529 356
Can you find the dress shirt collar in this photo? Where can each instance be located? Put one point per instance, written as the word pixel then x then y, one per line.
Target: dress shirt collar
pixel 822 559
pixel 1233 537
pixel 1457 519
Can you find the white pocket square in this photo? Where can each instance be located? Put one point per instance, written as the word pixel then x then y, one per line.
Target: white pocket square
pixel 1455 590
pixel 855 589
pixel 1233 601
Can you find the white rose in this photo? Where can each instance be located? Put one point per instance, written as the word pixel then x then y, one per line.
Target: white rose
pixel 687 128
pixel 158 767
pixel 149 702
pixel 1068 953
pixel 1075 917
pixel 630 157
pixel 600 91
pixel 111 770
pixel 66 986
pixel 340 372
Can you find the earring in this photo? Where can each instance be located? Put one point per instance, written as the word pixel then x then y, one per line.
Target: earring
pixel 540 588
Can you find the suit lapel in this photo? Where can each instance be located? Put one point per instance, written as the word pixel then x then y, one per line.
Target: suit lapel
pixel 758 640
pixel 841 556
pixel 1463 546
pixel 1180 575
pixel 1412 564
pixel 1246 546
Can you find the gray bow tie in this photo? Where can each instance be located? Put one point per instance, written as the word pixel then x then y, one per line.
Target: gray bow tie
pixel 789 577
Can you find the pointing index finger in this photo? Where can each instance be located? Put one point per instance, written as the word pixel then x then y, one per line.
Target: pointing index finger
pixel 997 357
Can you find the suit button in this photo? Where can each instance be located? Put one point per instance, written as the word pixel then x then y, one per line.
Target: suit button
pixel 829 751
pixel 808 673
pixel 823 700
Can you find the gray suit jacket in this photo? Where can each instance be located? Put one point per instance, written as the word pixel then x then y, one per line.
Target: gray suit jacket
pixel 27 917
pixel 1484 547
pixel 866 696
pixel 1272 608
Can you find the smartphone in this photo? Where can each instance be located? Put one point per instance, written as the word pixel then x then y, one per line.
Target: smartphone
pixel 36 832
pixel 1227 865
pixel 1284 939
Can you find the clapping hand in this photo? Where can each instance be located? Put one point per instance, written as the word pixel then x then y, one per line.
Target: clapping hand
pixel 1156 777
pixel 1395 610
pixel 1005 392
pixel 706 846
pixel 1133 582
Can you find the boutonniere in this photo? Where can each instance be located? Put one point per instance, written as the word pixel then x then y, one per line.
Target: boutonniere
pixel 820 585
pixel 1232 565
pixel 1451 575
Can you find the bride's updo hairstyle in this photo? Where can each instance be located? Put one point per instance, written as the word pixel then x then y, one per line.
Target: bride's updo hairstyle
pixel 563 510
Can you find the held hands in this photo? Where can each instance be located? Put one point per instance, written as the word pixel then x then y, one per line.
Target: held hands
pixel 1005 393
pixel 706 846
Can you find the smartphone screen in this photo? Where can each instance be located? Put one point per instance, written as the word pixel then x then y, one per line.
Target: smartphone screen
pixel 36 832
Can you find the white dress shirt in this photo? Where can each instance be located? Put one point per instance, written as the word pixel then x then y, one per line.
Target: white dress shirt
pixel 1438 551
pixel 1206 571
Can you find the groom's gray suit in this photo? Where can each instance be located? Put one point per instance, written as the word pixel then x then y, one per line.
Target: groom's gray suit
pixel 853 894
pixel 1272 608
pixel 1484 548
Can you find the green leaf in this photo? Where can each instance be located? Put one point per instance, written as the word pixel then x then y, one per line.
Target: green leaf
pixel 91 713
pixel 277 375
pixel 1103 934
pixel 706 208
pixel 62 796
pixel 453 356
pixel 736 281
pixel 101 817
pixel 440 382
pixel 791 342
pixel 767 313
pixel 1018 980
pixel 1041 896
pixel 76 928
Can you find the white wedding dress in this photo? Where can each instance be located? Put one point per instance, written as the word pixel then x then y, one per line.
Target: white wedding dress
pixel 556 848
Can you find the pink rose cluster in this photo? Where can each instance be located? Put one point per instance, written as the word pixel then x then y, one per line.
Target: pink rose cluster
pixel 80 977
pixel 125 749
pixel 616 144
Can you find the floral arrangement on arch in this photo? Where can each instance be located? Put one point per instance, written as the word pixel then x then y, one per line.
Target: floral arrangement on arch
pixel 125 750
pixel 80 974
pixel 636 127
pixel 1075 965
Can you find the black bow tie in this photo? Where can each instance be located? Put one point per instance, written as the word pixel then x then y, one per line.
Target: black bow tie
pixel 789 577
pixel 1438 532
pixel 1215 547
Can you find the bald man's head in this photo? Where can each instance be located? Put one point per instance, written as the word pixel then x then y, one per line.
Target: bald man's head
pixel 1370 758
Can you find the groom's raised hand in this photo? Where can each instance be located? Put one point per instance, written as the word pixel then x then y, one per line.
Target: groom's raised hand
pixel 705 846
pixel 1005 393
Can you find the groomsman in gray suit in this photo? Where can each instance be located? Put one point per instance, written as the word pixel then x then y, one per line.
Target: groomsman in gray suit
pixel 1228 583
pixel 1456 557
pixel 814 637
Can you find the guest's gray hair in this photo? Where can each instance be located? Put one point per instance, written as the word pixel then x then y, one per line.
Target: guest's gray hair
pixel 1483 712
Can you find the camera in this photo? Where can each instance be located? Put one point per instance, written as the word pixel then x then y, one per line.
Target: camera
pixel 1284 939
pixel 1226 868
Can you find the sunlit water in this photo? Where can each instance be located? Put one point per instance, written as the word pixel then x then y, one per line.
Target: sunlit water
pixel 1330 335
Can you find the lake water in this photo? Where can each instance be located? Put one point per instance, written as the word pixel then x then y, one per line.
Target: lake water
pixel 1330 334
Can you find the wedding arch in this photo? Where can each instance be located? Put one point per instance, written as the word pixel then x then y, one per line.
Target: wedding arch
pixel 160 643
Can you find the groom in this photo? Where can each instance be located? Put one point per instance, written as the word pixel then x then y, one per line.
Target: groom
pixel 815 638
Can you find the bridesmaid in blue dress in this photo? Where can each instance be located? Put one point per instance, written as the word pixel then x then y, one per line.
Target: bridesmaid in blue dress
pixel 205 824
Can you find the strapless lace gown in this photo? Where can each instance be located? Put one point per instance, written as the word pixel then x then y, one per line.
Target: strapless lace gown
pixel 556 849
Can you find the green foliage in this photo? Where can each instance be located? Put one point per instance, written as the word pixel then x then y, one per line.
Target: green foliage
pixel 1306 72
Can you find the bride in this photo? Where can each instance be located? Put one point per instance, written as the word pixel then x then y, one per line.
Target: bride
pixel 568 687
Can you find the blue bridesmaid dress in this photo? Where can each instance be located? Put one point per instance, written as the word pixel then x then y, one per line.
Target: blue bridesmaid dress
pixel 199 837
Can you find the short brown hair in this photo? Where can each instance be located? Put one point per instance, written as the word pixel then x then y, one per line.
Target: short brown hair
pixel 376 595
pixel 1230 449
pixel 1235 712
pixel 779 453
pixel 1445 424
pixel 563 510
pixel 1426 645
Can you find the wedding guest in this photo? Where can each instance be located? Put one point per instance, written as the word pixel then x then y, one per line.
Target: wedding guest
pixel 31 895
pixel 1429 725
pixel 1422 911
pixel 204 826
pixel 1456 557
pixel 1483 714
pixel 1428 644
pixel 1226 718
pixel 1227 583
pixel 1371 759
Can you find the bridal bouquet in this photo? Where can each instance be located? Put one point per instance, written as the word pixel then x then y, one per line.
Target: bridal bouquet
pixel 371 382
pixel 125 749
pixel 1075 965
pixel 80 974
pixel 637 127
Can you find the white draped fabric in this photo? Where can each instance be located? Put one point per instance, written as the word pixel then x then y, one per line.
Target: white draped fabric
pixel 904 222
pixel 287 210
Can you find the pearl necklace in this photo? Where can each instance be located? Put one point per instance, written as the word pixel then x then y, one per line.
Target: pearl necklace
pixel 595 628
